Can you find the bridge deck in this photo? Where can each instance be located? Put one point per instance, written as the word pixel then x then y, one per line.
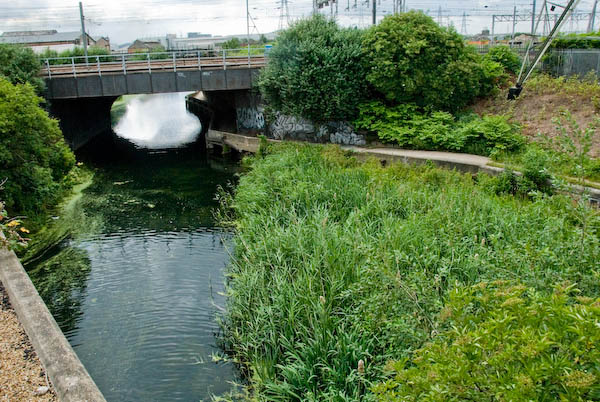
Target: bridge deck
pixel 122 74
pixel 137 66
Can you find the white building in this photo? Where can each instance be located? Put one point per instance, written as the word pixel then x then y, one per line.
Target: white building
pixel 39 41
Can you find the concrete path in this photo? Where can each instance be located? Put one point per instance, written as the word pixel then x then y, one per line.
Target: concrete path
pixel 464 162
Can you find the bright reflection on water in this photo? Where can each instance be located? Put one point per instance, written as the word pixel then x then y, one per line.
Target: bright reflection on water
pixel 136 286
pixel 158 121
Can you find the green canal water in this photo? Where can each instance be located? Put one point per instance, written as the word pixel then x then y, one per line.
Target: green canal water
pixel 137 283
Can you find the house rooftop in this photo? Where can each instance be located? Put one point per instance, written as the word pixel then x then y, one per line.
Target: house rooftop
pixel 24 37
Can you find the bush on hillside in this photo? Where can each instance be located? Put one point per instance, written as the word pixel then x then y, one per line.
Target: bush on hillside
pixel 34 158
pixel 505 56
pixel 20 65
pixel 406 126
pixel 410 59
pixel 315 71
pixel 577 41
pixel 508 343
pixel 77 52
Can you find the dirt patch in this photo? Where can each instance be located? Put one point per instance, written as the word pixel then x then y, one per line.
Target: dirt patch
pixel 543 99
pixel 21 373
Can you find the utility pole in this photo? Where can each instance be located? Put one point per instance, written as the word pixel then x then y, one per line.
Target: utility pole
pixel 248 30
pixel 592 18
pixel 533 20
pixel 463 27
pixel 439 16
pixel 83 34
pixel 374 12
pixel 514 24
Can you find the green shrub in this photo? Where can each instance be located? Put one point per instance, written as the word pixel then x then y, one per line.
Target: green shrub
pixel 20 65
pixel 410 59
pixel 406 126
pixel 506 342
pixel 577 41
pixel 77 52
pixel 315 71
pixel 338 261
pixel 535 171
pixel 34 158
pixel 489 135
pixel 505 56
pixel 233 43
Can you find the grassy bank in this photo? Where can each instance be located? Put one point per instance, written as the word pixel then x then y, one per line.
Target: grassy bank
pixel 340 267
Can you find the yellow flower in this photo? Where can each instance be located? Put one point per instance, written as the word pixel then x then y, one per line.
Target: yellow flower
pixel 24 230
pixel 12 224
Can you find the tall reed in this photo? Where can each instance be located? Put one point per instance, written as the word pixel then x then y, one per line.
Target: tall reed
pixel 340 266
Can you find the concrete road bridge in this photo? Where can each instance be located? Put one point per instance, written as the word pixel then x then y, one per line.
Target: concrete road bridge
pixel 81 90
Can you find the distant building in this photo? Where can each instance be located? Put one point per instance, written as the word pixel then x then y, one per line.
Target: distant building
pixel 523 40
pixel 198 35
pixel 196 41
pixel 141 46
pixel 102 42
pixel 40 41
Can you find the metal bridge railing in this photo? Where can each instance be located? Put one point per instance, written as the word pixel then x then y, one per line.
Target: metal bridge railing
pixel 129 63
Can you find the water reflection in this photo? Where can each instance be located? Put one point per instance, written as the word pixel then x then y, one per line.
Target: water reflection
pixel 136 291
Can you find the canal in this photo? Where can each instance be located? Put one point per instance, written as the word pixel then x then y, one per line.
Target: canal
pixel 138 282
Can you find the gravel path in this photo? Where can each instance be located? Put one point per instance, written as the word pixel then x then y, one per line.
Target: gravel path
pixel 21 373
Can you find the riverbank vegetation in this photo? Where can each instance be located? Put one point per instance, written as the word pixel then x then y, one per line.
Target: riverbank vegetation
pixel 315 71
pixel 342 267
pixel 36 165
pixel 34 159
pixel 20 65
pixel 411 83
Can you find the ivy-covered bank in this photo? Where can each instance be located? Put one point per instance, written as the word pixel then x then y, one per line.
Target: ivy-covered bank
pixel 342 268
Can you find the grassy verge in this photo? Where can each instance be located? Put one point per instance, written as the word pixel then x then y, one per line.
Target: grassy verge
pixel 341 266
pixel 559 164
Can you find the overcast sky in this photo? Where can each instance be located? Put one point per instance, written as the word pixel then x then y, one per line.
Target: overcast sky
pixel 125 20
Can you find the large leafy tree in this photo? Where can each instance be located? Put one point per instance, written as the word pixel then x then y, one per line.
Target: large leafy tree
pixel 315 71
pixel 411 59
pixel 20 65
pixel 34 158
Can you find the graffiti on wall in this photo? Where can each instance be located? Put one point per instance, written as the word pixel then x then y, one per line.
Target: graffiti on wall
pixel 299 129
pixel 250 118
pixel 291 127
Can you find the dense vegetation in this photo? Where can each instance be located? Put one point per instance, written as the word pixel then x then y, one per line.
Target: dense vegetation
pixel 411 59
pixel 577 41
pixel 340 267
pixel 408 127
pixel 400 79
pixel 507 341
pixel 20 65
pixel 506 57
pixel 76 52
pixel 34 159
pixel 315 71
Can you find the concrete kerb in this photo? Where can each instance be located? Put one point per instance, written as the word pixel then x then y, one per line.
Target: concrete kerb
pixel 71 380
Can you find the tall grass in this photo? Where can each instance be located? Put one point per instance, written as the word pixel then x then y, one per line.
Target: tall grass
pixel 338 261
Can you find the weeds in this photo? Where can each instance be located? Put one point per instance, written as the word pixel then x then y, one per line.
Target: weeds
pixel 338 262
